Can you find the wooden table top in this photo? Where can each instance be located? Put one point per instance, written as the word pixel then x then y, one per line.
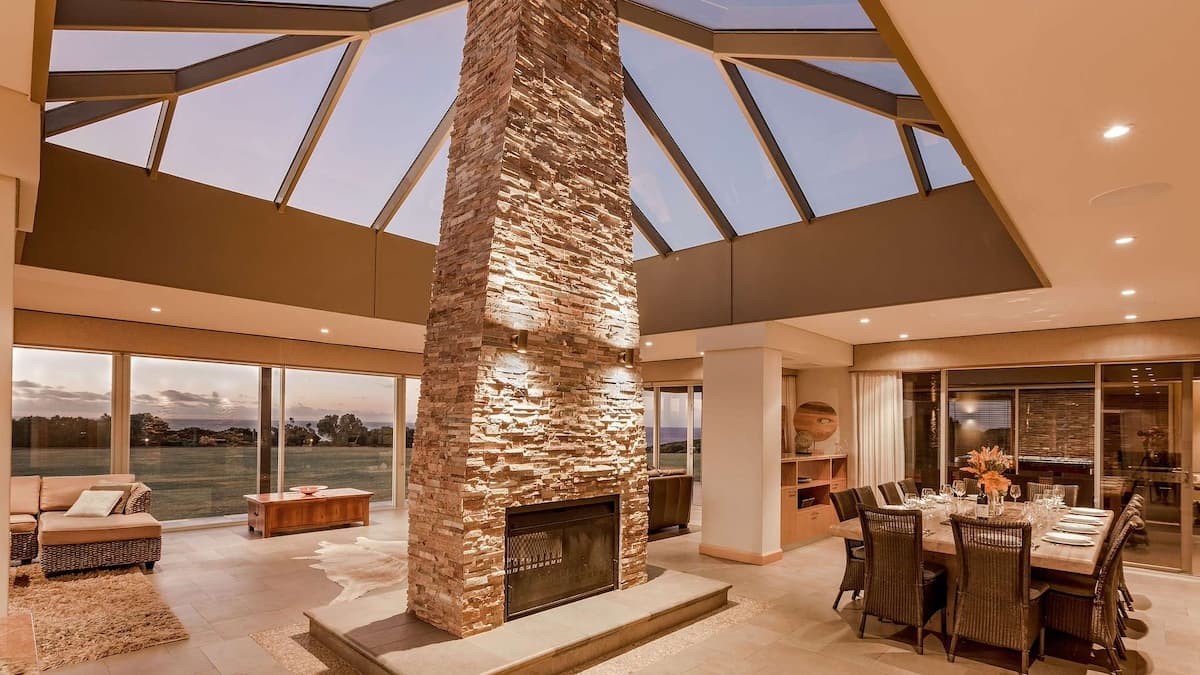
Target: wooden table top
pixel 1046 555
pixel 332 493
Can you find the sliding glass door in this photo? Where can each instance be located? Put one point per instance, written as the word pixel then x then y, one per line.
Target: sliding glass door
pixel 1148 443
pixel 673 427
pixel 62 412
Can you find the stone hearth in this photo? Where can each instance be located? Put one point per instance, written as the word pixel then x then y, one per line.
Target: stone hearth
pixel 535 237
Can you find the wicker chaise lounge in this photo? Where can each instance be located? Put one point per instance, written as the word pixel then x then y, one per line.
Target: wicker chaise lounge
pixel 22 519
pixel 129 537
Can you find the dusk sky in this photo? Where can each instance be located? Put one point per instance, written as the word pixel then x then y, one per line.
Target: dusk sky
pixel 69 383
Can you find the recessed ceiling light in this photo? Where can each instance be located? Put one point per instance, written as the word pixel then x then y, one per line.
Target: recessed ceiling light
pixel 156 310
pixel 701 353
pixel 904 336
pixel 1123 241
pixel 324 331
pixel 864 321
pixel 649 343
pixel 1116 131
pixel 1134 369
pixel 1128 292
pixel 1130 317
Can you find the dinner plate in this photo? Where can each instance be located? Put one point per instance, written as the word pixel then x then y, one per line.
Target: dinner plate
pixel 1081 520
pixel 1076 528
pixel 1087 511
pixel 1068 539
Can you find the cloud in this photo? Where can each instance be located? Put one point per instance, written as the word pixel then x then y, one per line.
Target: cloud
pixel 35 398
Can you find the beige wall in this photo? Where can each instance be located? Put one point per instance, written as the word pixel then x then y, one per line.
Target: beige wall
pixel 1166 340
pixel 906 250
pixel 676 370
pixel 100 217
pixel 62 331
pixel 832 386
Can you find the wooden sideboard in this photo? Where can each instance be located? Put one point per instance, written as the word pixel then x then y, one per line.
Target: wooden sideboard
pixel 279 511
pixel 799 525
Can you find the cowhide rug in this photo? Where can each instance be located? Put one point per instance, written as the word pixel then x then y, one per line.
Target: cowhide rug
pixel 363 566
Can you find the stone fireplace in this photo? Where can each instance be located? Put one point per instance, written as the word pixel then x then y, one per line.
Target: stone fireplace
pixel 527 396
pixel 559 552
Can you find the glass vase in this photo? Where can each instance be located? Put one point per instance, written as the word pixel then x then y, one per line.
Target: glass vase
pixel 996 504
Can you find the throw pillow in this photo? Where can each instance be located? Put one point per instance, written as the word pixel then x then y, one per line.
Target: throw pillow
pixel 123 488
pixel 94 504
pixel 139 489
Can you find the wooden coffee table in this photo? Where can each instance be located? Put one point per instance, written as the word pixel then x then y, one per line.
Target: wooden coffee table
pixel 278 511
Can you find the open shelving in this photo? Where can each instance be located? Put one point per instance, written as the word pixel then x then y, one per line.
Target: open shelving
pixel 799 525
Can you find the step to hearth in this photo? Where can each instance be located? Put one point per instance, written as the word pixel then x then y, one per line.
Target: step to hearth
pixel 378 636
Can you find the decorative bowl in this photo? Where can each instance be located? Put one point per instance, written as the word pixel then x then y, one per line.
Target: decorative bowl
pixel 308 490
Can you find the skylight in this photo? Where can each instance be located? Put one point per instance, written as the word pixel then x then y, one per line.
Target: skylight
pixel 885 75
pixel 379 125
pixel 642 248
pixel 661 193
pixel 141 50
pixel 690 95
pixel 779 14
pixel 241 135
pixel 125 138
pixel 420 216
pixel 844 157
pixel 941 161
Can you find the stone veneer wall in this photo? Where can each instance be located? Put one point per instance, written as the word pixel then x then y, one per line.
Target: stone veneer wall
pixel 536 235
pixel 1057 423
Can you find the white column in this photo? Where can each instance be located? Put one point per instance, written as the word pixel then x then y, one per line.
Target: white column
pixel 742 397
pixel 20 157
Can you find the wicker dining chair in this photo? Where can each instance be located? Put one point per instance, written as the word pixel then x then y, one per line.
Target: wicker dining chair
pixel 1136 506
pixel 996 602
pixel 1089 611
pixel 900 586
pixel 891 494
pixel 1070 492
pixel 908 486
pixel 865 495
pixel 971 486
pixel 853 577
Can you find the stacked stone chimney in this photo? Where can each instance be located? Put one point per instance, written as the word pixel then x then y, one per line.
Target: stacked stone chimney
pixel 535 237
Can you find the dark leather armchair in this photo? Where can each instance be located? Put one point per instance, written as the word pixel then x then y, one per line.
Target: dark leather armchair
pixel 670 500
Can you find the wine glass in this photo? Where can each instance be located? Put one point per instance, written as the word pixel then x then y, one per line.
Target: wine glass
pixel 927 495
pixel 946 491
pixel 960 489
pixel 1014 491
pixel 910 500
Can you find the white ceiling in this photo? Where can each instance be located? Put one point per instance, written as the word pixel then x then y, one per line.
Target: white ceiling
pixel 1031 85
pixel 49 290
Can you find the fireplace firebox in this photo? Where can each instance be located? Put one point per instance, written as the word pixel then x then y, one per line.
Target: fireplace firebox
pixel 559 552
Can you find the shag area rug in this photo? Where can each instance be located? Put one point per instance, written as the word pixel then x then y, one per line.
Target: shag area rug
pixel 363 566
pixel 90 615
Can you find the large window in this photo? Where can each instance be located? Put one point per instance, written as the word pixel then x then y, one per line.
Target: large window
pixel 193 435
pixel 673 428
pixel 62 413
pixel 339 430
pixel 978 419
pixel 412 394
pixel 921 427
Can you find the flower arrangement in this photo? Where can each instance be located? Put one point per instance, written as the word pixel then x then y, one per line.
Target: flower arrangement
pixel 989 465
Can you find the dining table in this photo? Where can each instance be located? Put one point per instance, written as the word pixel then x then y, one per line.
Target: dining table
pixel 938 538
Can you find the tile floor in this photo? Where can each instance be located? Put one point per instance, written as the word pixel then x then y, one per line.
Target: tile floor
pixel 225 584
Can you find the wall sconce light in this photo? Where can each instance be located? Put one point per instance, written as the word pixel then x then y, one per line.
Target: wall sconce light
pixel 626 358
pixel 520 341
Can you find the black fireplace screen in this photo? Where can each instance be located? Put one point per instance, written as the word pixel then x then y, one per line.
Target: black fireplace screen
pixel 559 552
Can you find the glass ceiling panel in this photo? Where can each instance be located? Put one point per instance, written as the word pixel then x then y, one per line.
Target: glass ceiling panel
pixel 125 138
pixel 843 157
pixel 420 216
pixel 642 248
pixel 694 102
pixel 941 161
pixel 888 76
pixel 379 125
pixel 141 50
pixel 778 14
pixel 661 193
pixel 241 135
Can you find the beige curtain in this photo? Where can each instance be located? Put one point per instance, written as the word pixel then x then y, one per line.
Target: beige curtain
pixel 788 434
pixel 879 426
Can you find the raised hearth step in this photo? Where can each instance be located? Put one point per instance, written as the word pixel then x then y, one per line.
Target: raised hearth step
pixel 377 635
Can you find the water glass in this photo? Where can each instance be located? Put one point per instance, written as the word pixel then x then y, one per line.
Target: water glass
pixel 910 500
pixel 946 492
pixel 927 494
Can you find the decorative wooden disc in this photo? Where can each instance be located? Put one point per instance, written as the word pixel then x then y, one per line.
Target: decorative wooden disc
pixel 816 420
